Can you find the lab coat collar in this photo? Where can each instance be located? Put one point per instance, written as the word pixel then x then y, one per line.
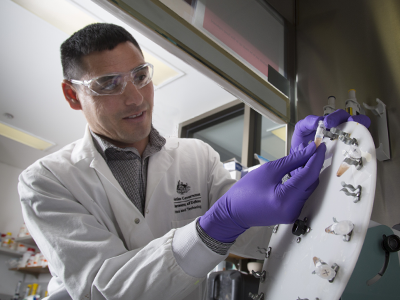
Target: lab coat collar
pixel 171 144
pixel 84 148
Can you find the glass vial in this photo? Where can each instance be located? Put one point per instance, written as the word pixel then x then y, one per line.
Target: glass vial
pixel 354 153
pixel 319 135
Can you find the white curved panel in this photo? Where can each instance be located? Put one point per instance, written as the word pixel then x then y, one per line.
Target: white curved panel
pixel 290 265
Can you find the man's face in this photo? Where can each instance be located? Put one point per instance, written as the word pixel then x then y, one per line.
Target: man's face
pixel 124 120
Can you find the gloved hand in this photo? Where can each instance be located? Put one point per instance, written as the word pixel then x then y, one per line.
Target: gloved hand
pixel 260 198
pixel 298 148
pixel 305 129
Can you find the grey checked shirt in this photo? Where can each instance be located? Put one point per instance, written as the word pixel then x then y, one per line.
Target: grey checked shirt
pixel 130 170
pixel 128 167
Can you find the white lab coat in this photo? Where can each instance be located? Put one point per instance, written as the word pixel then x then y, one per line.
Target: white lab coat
pixel 99 246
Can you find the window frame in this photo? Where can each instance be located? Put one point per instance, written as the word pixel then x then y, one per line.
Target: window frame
pixel 251 138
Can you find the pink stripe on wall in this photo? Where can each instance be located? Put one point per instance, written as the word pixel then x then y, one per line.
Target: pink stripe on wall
pixel 236 42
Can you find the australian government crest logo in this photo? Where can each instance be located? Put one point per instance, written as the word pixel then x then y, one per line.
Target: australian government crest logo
pixel 182 188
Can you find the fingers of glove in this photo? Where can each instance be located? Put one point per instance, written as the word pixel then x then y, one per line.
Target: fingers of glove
pixel 303 179
pixel 362 119
pixel 304 131
pixel 297 206
pixel 312 188
pixel 298 148
pixel 336 118
pixel 293 161
pixel 307 126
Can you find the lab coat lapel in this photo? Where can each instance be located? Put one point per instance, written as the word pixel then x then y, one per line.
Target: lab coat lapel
pixel 133 226
pixel 159 164
pixel 130 220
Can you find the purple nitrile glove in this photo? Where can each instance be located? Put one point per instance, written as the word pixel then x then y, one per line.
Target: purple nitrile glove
pixel 340 116
pixel 260 198
pixel 305 129
pixel 298 148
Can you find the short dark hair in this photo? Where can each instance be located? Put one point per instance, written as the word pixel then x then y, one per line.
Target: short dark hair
pixel 92 38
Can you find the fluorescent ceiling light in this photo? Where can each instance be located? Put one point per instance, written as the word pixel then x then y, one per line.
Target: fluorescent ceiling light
pixel 24 137
pixel 60 13
pixel 69 18
pixel 280 133
pixel 163 74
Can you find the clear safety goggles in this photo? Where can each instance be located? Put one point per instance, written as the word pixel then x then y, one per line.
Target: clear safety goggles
pixel 115 83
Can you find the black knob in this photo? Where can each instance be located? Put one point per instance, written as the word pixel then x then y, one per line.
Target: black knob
pixel 299 227
pixel 391 243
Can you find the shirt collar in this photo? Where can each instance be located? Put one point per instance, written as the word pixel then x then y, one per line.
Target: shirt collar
pixel 156 142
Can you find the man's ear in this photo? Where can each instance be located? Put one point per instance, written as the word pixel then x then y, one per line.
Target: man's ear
pixel 71 95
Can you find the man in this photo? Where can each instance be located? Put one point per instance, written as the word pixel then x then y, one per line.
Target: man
pixel 117 213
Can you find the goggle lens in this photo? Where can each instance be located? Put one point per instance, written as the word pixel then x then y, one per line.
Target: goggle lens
pixel 108 85
pixel 114 84
pixel 142 77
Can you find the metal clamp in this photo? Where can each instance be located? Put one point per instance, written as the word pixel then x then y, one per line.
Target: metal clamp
pixel 336 133
pixel 330 135
pixel 259 275
pixel 335 267
pixel 256 297
pixel 346 237
pixel 348 140
pixel 266 252
pixel 350 190
pixel 357 162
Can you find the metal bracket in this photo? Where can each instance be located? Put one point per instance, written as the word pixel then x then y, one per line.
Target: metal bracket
pixel 383 151
pixel 350 190
pixel 264 251
pixel 275 229
pixel 256 297
pixel 357 162
pixel 330 135
pixel 259 275
pixel 268 253
pixel 346 237
pixel 336 133
pixel 335 267
pixel 348 140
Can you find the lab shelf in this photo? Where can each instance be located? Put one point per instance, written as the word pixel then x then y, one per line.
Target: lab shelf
pixel 36 271
pixel 10 252
pixel 26 240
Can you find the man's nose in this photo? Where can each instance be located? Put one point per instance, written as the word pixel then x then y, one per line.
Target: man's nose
pixel 132 94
